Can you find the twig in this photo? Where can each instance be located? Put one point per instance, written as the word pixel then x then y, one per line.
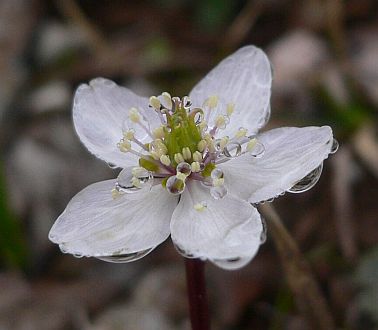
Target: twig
pixel 195 277
pixel 306 291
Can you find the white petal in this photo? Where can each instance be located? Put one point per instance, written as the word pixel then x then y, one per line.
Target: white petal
pixel 244 78
pixel 95 224
pixel 100 110
pixel 226 228
pixel 290 154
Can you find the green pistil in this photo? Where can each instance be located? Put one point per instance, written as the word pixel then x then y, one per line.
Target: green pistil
pixel 183 133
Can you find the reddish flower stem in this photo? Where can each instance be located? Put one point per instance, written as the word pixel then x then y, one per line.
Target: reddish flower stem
pixel 196 286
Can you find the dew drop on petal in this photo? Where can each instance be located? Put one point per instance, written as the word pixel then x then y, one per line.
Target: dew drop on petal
pixel 112 166
pixel 232 150
pixel 258 150
pixel 125 257
pixel 184 168
pixel 217 173
pixel 125 181
pixel 218 192
pixel 335 146
pixel 175 185
pixel 263 234
pixel 308 181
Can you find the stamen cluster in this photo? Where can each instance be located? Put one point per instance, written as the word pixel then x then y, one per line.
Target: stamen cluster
pixel 183 147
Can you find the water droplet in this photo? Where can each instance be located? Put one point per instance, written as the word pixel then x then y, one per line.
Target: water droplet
pixel 186 103
pixel 175 185
pixel 258 150
pixel 125 257
pixel 129 183
pixel 335 146
pixel 217 173
pixel 308 181
pixel 183 252
pixel 218 192
pixel 232 150
pixel 184 168
pixel 112 166
pixel 232 263
pixel 263 234
pixel 198 117
pixel 78 255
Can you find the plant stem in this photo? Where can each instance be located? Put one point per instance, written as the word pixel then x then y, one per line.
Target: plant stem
pixel 196 286
pixel 306 291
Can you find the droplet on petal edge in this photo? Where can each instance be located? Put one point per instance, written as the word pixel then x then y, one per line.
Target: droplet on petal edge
pixel 335 146
pixel 125 257
pixel 218 192
pixel 308 181
pixel 258 150
pixel 125 182
pixel 182 252
pixel 233 263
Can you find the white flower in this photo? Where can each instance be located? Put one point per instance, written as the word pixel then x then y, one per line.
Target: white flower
pixel 192 168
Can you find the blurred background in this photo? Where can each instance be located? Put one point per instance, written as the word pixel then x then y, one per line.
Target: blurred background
pixel 325 60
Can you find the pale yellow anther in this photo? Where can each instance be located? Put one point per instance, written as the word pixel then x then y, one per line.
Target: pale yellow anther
pixel 181 176
pixel 218 182
pixel 134 115
pixel 196 167
pixel 115 193
pixel 186 153
pixel 241 133
pixel 220 121
pixel 158 132
pixel 201 145
pixel 251 144
pixel 136 182
pixel 199 207
pixel 155 102
pixel 178 158
pixel 211 101
pixel 203 125
pixel 197 156
pixel 164 159
pixel 124 145
pixel 223 142
pixel 230 109
pixel 167 100
pixel 129 134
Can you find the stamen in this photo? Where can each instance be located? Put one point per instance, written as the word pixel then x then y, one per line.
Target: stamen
pixel 124 145
pixel 197 156
pixel 167 100
pixel 230 109
pixel 155 102
pixel 158 132
pixel 178 158
pixel 211 102
pixel 165 160
pixel 129 134
pixel 186 153
pixel 196 167
pixel 202 145
pixel 134 115
pixel 220 122
pixel 241 133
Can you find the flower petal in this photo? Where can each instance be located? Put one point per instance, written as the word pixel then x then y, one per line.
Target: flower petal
pixel 290 154
pixel 225 229
pixel 244 79
pixel 95 224
pixel 100 111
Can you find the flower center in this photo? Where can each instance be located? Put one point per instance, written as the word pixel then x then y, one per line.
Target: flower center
pixel 183 147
